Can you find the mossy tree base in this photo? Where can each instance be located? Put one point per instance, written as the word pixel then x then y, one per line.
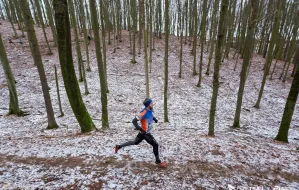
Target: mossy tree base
pixel 54 126
pixel 236 124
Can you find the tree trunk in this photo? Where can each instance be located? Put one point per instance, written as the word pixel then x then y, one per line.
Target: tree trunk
pixel 181 54
pixel 194 37
pixel 125 14
pixel 289 109
pixel 151 34
pixel 181 42
pixel 134 18
pixel 88 19
pixel 186 20
pixel 9 17
pixel 78 49
pixel 67 66
pixel 293 43
pixel 270 51
pixel 146 64
pixel 44 15
pixel 166 60
pixel 243 30
pixel 238 44
pixel 51 21
pixel 86 41
pixel 20 18
pixel 58 93
pixel 247 54
pixel 160 19
pixel 114 14
pixel 13 96
pixel 95 26
pixel 219 44
pixel 13 13
pixel 38 62
pixel 130 27
pixel 1 13
pixel 214 27
pixel 141 23
pixel 35 13
pixel 102 8
pixel 202 39
pixel 39 12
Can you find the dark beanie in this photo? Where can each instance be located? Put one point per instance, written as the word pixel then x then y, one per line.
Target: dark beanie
pixel 147 102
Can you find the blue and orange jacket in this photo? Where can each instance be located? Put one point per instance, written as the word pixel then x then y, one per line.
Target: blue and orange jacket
pixel 146 119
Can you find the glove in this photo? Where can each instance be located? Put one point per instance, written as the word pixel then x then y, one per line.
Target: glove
pixel 155 119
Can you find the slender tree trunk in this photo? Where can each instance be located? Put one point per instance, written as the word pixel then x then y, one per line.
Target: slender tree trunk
pixel 146 64
pixel 287 47
pixel 102 7
pixel 286 71
pixel 134 18
pixel 78 49
pixel 51 21
pixel 219 44
pixel 125 14
pixel 39 12
pixel 244 26
pixel 239 30
pixel 186 20
pixel 88 19
pixel 114 26
pixel 289 109
pixel 130 26
pixel 35 13
pixel 270 52
pixel 20 18
pixel 82 15
pixel 213 28
pixel 95 26
pixel 67 66
pixel 141 23
pixel 9 17
pixel 1 13
pixel 181 54
pixel 44 15
pixel 249 41
pixel 181 42
pixel 267 43
pixel 294 70
pixel 160 19
pixel 58 93
pixel 151 34
pixel 293 43
pixel 202 39
pixel 155 25
pixel 13 96
pixel 119 19
pixel 194 36
pixel 273 69
pixel 191 19
pixel 38 62
pixel 13 13
pixel 166 12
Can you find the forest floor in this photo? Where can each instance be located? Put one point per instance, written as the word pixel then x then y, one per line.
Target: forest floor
pixel 34 158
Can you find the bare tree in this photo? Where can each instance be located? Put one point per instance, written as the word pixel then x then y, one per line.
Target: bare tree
pixel 13 96
pixel 219 44
pixel 38 62
pixel 95 26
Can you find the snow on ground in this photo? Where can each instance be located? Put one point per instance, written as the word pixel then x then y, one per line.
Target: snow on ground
pixel 34 158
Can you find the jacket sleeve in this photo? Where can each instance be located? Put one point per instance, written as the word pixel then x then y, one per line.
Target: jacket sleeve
pixel 135 123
